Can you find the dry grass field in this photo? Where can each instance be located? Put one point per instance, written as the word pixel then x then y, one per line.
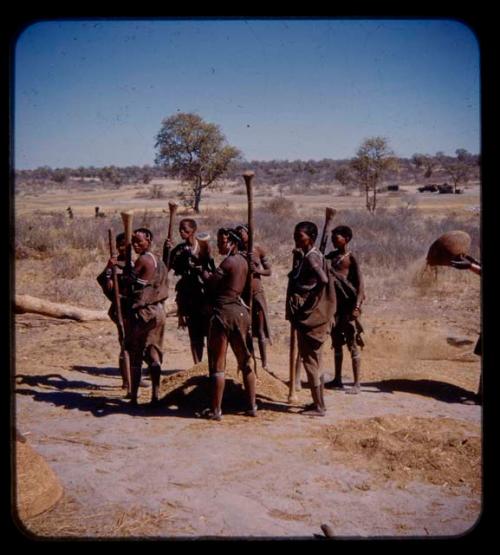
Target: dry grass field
pixel 401 459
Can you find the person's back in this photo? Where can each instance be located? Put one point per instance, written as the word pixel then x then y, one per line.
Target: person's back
pixel 230 322
pixel 234 271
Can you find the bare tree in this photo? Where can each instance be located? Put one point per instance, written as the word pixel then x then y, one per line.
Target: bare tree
pixel 194 150
pixel 373 160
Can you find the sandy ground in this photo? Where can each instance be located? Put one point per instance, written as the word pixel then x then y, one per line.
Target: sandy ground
pixel 402 458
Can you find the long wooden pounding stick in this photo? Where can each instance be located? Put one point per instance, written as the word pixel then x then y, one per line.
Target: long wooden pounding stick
pixel 294 358
pixel 248 176
pixel 172 209
pixel 127 218
pixel 124 360
pixel 327 227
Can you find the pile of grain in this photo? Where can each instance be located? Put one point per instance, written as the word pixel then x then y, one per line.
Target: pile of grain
pixel 190 389
pixel 441 451
pixel 37 487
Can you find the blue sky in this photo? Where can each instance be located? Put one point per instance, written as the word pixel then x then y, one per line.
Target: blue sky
pixel 94 92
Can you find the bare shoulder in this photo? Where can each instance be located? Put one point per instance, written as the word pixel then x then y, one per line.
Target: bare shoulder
pixel 353 259
pixel 314 258
pixel 146 262
pixel 259 251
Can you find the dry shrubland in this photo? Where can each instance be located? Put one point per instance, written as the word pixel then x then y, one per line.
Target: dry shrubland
pixel 58 258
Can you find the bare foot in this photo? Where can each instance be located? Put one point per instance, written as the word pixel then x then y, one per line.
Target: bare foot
pixel 354 390
pixel 209 414
pixel 313 406
pixel 313 411
pixel 252 411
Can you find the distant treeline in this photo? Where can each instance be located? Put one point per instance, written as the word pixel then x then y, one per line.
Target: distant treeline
pixel 274 172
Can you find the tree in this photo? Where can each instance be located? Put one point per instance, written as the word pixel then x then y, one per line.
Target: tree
pixel 373 160
pixel 194 150
pixel 458 168
pixel 60 175
pixel 343 176
pixel 424 163
pixel 110 174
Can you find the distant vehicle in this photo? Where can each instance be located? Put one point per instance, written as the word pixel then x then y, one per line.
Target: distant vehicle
pixel 428 188
pixel 445 189
pixel 393 187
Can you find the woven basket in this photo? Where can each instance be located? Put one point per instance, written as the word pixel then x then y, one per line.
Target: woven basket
pixel 447 247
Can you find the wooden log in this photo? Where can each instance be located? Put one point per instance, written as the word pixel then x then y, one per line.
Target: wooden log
pixel 27 303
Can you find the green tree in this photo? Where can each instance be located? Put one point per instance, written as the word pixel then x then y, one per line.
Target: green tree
pixel 373 160
pixel 195 151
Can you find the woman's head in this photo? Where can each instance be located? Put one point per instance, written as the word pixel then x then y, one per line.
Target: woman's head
pixel 305 234
pixel 187 228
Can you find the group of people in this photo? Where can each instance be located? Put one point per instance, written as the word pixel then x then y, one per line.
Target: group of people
pixel 226 306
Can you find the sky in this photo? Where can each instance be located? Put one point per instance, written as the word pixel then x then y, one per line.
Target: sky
pixel 95 92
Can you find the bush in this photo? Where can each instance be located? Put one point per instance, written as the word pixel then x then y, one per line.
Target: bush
pixel 282 207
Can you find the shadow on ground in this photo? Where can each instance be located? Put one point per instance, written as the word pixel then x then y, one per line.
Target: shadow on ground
pixel 188 400
pixel 441 391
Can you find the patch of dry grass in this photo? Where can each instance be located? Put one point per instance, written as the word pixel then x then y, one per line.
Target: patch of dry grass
pixel 390 246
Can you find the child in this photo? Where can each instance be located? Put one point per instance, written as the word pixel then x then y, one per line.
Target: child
pixel 347 328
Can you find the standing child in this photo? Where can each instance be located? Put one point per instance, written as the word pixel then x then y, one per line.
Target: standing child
pixel 350 289
pixel 310 307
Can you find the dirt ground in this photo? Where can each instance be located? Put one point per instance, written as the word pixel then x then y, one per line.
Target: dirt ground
pixel 401 459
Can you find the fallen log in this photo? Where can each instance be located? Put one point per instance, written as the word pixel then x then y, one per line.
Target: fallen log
pixel 27 303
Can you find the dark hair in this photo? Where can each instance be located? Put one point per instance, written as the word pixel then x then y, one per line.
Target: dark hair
pixel 147 232
pixel 231 234
pixel 309 228
pixel 192 223
pixel 343 230
pixel 120 238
